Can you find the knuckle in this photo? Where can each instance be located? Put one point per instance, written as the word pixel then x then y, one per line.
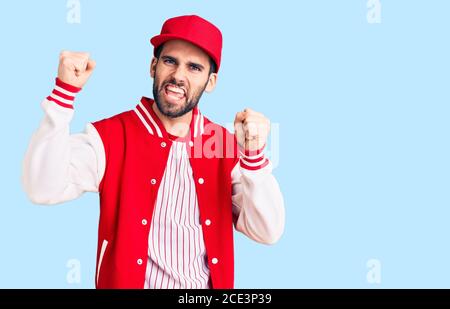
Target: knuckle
pixel 65 61
pixel 63 54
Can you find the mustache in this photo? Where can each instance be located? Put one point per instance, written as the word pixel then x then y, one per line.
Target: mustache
pixel 173 82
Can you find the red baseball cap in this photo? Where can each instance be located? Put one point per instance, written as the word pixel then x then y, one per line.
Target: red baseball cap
pixel 195 30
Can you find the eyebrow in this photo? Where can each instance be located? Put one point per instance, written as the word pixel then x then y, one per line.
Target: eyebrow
pixel 169 58
pixel 197 65
pixel 165 57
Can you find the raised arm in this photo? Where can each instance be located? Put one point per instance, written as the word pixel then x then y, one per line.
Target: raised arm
pixel 59 166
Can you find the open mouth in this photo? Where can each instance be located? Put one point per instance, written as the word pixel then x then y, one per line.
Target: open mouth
pixel 174 93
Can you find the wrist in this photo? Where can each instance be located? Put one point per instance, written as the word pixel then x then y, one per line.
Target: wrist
pixel 63 94
pixel 253 159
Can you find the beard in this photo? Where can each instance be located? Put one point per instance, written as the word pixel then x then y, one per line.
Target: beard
pixel 173 110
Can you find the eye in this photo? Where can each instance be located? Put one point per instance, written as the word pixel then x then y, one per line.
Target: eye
pixel 195 68
pixel 169 61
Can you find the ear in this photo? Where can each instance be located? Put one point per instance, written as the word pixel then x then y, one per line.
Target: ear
pixel 212 80
pixel 153 67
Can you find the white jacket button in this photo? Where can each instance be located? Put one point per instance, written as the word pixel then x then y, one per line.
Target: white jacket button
pixel 163 144
pixel 139 261
pixel 214 260
pixel 144 222
pixel 208 222
pixel 153 181
pixel 191 143
pixel 201 181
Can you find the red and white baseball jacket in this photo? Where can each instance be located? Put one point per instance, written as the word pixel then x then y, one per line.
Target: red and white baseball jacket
pixel 125 158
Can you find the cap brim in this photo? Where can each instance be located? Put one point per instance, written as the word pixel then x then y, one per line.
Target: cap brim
pixel 162 38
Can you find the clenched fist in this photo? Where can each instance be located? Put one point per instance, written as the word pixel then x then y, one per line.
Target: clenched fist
pixel 251 129
pixel 75 68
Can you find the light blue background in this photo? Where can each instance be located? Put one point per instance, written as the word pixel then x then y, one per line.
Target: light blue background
pixel 363 114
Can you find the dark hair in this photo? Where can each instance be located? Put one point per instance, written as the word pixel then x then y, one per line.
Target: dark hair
pixel 212 63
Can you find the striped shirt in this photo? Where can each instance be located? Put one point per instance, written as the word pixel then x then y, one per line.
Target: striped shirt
pixel 176 251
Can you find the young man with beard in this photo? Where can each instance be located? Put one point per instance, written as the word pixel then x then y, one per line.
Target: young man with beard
pixel 172 184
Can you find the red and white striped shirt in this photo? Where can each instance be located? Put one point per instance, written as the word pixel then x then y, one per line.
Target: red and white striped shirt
pixel 177 254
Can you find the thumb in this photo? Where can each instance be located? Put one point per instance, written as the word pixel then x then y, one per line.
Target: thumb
pixel 89 70
pixel 90 65
pixel 240 116
pixel 239 128
pixel 238 122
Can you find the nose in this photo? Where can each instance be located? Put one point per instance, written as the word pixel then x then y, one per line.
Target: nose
pixel 179 74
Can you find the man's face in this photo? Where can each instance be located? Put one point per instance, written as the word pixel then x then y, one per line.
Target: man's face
pixel 181 74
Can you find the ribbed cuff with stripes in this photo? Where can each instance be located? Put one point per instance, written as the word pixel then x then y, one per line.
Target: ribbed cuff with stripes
pixel 253 160
pixel 63 94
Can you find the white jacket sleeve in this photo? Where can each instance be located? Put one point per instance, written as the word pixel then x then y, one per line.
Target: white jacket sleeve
pixel 258 206
pixel 58 166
